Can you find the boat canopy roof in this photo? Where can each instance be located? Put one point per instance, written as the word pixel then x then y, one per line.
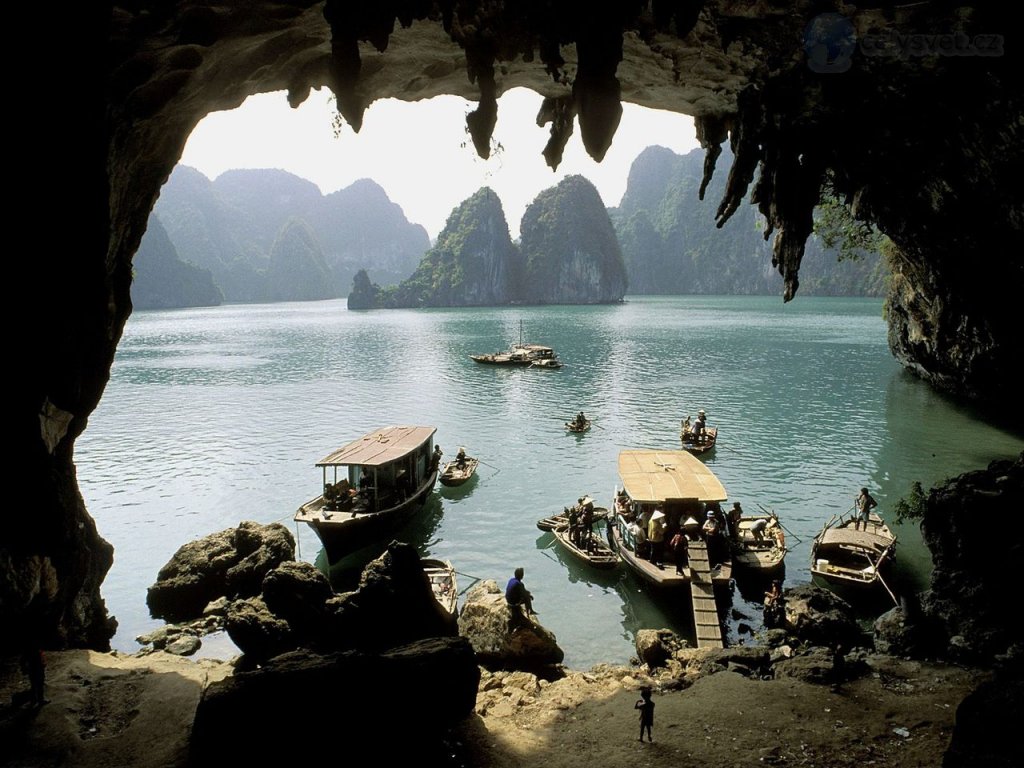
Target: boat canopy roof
pixel 382 446
pixel 656 475
pixel 862 539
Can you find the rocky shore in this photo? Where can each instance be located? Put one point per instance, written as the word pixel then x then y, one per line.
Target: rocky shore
pixel 938 683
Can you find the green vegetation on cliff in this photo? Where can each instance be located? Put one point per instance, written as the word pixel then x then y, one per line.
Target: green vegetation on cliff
pixel 569 245
pixel 671 244
pixel 164 281
pixel 473 263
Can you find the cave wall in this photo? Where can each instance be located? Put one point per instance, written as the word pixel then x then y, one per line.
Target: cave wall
pixel 925 146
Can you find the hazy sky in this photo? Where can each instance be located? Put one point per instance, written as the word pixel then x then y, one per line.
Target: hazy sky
pixel 420 152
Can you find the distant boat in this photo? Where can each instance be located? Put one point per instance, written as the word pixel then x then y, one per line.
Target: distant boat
pixel 577 426
pixel 386 476
pixel 698 445
pixel 522 354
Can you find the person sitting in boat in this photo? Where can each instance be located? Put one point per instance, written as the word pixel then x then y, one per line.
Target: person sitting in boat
pixel 775 531
pixel 460 458
pixel 685 427
pixel 581 420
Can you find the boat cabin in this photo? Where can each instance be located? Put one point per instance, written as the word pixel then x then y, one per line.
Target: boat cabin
pixel 379 470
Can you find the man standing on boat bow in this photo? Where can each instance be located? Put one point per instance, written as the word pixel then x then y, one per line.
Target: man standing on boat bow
pixel 864 504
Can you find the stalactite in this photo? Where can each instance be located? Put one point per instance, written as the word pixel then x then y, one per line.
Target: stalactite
pixel 745 141
pixel 560 112
pixel 712 130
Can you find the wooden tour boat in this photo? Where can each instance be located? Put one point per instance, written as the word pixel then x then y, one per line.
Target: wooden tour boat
pixel 854 562
pixel 522 354
pixel 371 487
pixel 682 488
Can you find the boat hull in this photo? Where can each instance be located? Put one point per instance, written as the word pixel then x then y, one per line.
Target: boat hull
pixel 705 446
pixel 666 576
pixel 343 533
pixel 598 555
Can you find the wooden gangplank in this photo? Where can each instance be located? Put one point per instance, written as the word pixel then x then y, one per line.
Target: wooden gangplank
pixel 705 611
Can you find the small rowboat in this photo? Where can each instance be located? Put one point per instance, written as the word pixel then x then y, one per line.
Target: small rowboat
pixel 592 549
pixel 452 474
pixel 573 426
pixel 699 445
pixel 442 581
pixel 562 520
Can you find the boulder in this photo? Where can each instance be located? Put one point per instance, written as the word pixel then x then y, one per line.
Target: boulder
pixel 818 616
pixel 257 632
pixel 230 563
pixel 503 637
pixel 654 647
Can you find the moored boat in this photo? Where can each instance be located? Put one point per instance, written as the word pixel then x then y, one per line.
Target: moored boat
pixel 441 574
pixel 587 547
pixel 758 544
pixel 372 486
pixel 852 560
pixel 561 520
pixel 681 488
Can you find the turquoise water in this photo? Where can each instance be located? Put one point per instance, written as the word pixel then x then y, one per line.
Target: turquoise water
pixel 214 416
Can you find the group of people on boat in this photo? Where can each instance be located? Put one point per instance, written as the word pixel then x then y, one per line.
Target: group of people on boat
pixel 581 522
pixel 579 421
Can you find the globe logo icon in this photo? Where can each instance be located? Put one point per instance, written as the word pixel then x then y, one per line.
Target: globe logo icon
pixel 829 41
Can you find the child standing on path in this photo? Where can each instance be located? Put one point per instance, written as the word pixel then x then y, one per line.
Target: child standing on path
pixel 646 707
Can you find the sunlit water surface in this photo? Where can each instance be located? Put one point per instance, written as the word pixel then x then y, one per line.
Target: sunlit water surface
pixel 215 416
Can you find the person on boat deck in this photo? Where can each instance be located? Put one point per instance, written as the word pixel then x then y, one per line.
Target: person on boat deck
pixel 460 458
pixel 734 520
pixel 757 529
pixel 516 593
pixel 864 504
pixel 680 551
pixel 586 521
pixel 435 459
pixel 656 537
pixel 639 539
pixel 573 514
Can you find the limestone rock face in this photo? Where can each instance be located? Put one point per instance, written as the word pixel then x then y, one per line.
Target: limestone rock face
pixel 502 638
pixel 974 580
pixel 229 563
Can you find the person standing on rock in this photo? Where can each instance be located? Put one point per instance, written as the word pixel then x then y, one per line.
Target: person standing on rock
pixel 646 707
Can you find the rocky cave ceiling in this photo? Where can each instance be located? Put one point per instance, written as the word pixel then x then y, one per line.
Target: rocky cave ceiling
pixel 913 109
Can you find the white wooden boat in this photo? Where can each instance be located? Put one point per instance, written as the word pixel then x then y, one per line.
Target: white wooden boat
pixel 384 479
pixel 761 555
pixel 854 562
pixel 443 583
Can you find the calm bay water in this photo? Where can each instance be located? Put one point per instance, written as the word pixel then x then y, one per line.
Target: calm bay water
pixel 215 416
